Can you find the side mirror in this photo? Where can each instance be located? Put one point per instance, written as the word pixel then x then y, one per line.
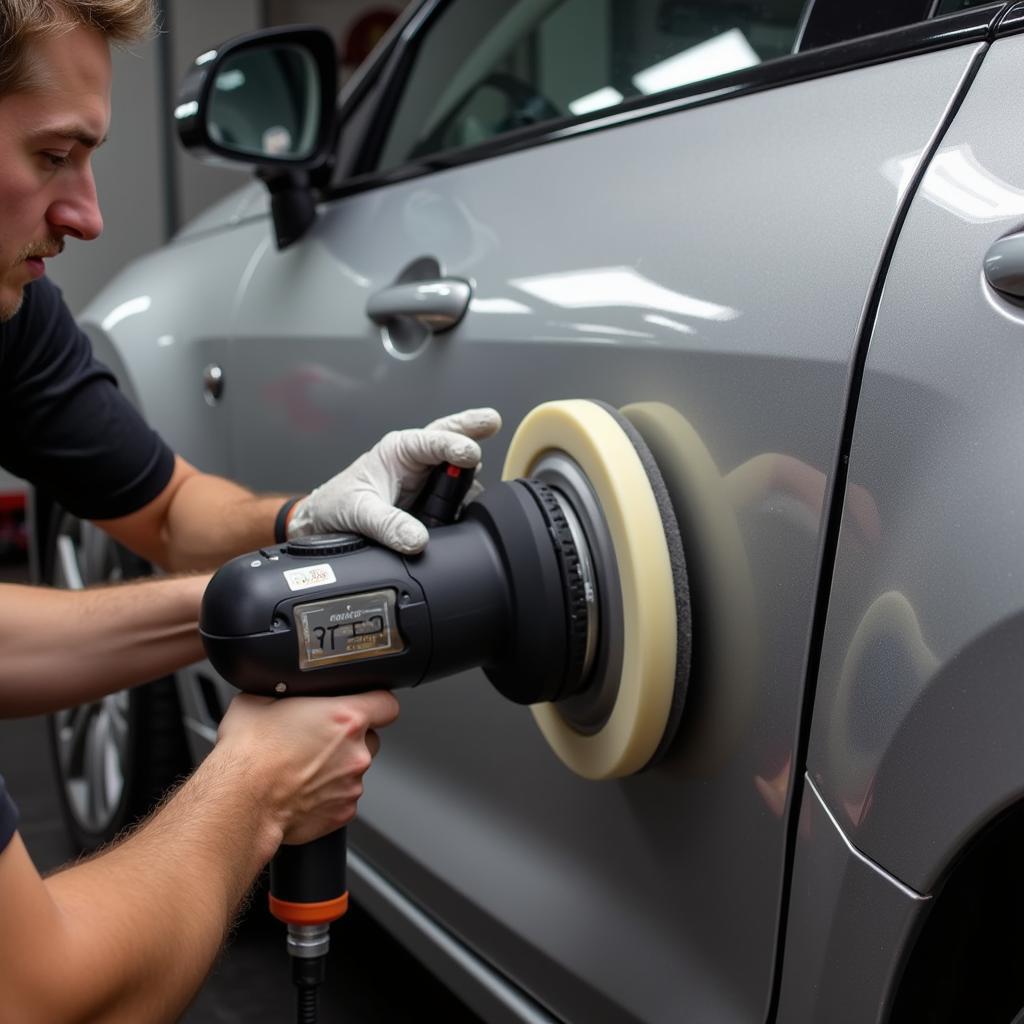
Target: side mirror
pixel 265 101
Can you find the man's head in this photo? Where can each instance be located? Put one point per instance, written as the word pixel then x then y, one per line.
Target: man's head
pixel 54 112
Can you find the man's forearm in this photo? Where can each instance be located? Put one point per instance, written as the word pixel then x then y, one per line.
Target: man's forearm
pixel 212 520
pixel 197 522
pixel 67 647
pixel 136 929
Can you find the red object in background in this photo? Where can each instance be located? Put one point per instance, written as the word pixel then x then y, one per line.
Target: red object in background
pixel 13 534
pixel 365 34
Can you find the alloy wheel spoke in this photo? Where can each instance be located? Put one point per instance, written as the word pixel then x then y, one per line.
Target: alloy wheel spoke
pixel 98 745
pixel 73 738
pixel 68 567
pixel 116 706
pixel 93 739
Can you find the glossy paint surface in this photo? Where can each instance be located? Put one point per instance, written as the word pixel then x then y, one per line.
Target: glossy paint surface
pixel 916 739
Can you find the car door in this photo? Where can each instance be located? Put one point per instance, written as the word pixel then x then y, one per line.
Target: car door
pixel 654 202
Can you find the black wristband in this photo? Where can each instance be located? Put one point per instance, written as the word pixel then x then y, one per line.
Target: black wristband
pixel 281 520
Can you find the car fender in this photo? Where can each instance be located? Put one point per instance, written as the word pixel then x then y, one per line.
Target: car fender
pixel 163 322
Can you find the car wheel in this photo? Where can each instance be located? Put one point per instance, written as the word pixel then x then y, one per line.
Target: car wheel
pixel 116 757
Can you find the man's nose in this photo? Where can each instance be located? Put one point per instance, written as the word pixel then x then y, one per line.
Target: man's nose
pixel 76 211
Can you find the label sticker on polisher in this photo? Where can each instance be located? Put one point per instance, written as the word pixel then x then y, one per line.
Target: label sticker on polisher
pixel 353 627
pixel 309 576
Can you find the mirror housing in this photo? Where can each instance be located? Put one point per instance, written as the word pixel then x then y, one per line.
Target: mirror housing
pixel 265 101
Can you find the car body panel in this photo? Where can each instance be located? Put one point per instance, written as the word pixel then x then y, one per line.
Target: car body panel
pixel 161 321
pixel 251 200
pixel 849 923
pixel 916 736
pixel 729 290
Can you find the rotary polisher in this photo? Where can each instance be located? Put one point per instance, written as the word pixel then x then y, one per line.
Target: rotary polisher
pixel 566 583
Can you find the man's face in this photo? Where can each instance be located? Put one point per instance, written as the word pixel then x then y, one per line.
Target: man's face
pixel 47 137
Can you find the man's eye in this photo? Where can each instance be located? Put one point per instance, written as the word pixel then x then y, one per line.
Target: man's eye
pixel 57 159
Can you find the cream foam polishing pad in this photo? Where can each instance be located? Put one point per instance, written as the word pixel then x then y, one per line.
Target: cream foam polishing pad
pixel 648 681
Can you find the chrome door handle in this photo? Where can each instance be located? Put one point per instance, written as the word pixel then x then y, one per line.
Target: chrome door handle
pixel 1004 265
pixel 437 305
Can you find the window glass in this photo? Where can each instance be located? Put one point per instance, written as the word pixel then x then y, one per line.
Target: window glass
pixel 487 67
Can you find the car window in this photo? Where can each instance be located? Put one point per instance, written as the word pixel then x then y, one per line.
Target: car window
pixel 486 67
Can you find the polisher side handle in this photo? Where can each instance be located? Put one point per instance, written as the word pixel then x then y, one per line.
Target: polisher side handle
pixel 307 882
pixel 445 490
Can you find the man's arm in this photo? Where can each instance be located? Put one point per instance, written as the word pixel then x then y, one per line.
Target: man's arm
pixel 199 521
pixel 130 935
pixel 62 647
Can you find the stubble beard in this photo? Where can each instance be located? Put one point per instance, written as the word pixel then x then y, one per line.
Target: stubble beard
pixel 51 247
pixel 9 310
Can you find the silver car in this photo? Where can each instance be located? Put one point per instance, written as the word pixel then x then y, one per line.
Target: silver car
pixel 794 229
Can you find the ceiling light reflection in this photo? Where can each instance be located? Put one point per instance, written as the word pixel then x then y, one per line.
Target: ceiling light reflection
pixel 718 56
pixel 227 81
pixel 618 286
pixel 125 309
pixel 957 182
pixel 597 100
pixel 673 325
pixel 498 305
pixel 618 332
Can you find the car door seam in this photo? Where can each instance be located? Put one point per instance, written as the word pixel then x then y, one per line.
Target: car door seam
pixel 836 503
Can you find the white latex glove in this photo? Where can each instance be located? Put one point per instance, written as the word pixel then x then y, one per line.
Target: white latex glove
pixel 366 497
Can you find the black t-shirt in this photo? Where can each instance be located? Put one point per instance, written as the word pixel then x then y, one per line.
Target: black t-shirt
pixel 64 425
pixel 8 816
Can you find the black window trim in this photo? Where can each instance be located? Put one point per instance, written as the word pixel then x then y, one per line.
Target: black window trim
pixel 1012 20
pixel 976 24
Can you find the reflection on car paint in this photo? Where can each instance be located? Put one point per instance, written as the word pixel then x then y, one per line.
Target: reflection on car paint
pixel 956 181
pixel 602 287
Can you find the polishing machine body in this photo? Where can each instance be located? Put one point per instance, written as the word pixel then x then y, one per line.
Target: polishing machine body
pixel 335 614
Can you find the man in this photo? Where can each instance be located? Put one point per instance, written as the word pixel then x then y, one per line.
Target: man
pixel 133 931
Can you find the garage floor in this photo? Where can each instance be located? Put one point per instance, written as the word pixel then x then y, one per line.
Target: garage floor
pixel 371 978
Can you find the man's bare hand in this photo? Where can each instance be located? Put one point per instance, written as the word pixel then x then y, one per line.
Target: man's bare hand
pixel 313 750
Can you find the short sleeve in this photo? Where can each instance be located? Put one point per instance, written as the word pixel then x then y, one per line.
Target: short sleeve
pixel 64 423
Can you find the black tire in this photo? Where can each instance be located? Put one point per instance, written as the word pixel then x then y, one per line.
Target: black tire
pixel 115 758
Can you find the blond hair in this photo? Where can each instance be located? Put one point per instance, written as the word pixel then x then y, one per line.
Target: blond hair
pixel 24 21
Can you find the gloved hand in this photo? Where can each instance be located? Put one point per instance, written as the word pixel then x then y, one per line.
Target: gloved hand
pixel 366 497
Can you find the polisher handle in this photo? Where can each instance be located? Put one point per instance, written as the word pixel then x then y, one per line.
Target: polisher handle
pixel 307 882
pixel 446 488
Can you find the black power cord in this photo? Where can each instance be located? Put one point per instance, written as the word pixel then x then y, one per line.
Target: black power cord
pixel 308 974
